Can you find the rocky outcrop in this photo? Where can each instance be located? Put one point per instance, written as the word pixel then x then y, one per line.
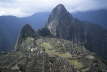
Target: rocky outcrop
pixel 26 31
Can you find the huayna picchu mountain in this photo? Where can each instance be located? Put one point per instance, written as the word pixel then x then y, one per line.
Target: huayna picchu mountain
pixel 63 25
pixel 58 47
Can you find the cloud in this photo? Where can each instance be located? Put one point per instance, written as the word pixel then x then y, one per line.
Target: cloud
pixel 6 1
pixel 27 7
pixel 11 11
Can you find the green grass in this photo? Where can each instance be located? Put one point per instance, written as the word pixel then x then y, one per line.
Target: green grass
pixel 46 45
pixel 76 63
pixel 53 48
pixel 50 49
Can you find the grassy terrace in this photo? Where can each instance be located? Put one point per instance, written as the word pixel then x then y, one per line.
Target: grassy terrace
pixel 76 55
pixel 52 50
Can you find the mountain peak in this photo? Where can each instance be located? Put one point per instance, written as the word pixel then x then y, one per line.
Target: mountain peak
pixel 26 26
pixel 59 18
pixel 27 31
pixel 58 12
pixel 60 7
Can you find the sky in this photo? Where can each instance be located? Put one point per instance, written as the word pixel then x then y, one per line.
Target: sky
pixel 22 8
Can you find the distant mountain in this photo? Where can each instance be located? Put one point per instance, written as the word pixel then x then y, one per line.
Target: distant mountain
pixel 97 17
pixel 3 40
pixel 10 26
pixel 63 25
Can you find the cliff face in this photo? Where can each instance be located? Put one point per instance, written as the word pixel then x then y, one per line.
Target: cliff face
pixel 63 25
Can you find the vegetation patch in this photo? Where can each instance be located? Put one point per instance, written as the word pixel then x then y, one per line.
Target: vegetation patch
pixel 76 63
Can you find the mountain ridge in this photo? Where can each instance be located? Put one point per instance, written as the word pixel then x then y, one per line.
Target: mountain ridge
pixel 12 25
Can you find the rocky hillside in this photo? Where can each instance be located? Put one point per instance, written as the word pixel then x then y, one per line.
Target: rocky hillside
pixel 63 25
pixel 48 54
